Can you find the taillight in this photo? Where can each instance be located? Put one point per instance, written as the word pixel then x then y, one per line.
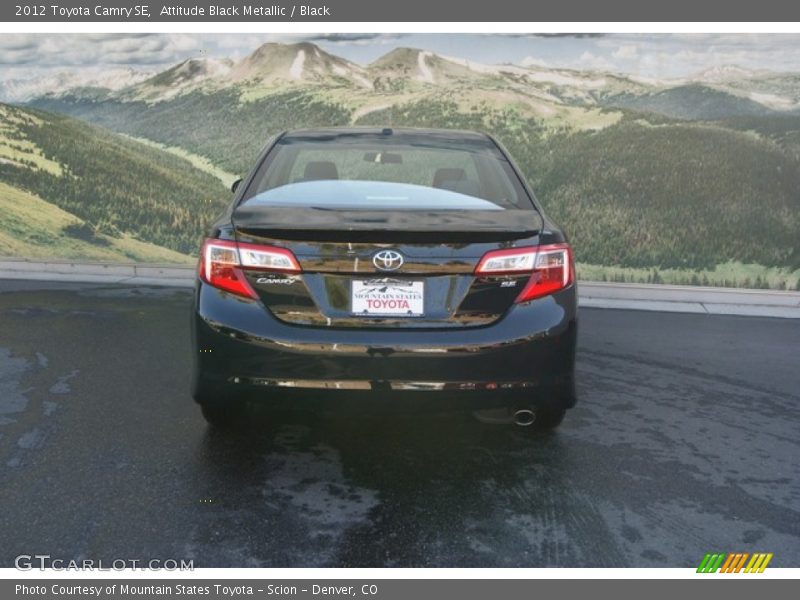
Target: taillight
pixel 551 268
pixel 222 264
pixel 268 258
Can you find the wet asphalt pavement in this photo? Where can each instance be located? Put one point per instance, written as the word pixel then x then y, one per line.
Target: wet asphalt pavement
pixel 686 440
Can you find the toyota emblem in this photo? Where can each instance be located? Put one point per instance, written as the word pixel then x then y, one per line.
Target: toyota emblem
pixel 387 260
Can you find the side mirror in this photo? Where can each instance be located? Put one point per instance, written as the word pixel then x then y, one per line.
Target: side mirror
pixel 235 185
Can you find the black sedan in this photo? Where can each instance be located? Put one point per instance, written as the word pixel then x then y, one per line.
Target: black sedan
pixel 386 269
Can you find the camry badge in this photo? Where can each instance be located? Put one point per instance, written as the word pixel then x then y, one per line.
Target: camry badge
pixel 387 260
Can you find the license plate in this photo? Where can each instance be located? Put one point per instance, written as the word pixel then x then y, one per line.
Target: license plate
pixel 384 297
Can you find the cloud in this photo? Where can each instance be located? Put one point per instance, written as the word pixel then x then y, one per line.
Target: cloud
pixel 626 52
pixel 115 36
pixel 577 36
pixel 659 56
pixel 16 42
pixel 249 42
pixel 70 50
pixel 672 56
pixel 532 61
pixel 590 61
pixel 346 38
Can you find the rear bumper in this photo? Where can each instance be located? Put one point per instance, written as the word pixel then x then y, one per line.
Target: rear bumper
pixel 527 355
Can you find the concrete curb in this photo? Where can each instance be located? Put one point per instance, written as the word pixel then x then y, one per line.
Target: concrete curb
pixel 668 298
pixel 129 274
pixel 690 299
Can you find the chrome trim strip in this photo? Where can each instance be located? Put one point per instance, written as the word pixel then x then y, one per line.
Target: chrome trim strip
pixel 369 385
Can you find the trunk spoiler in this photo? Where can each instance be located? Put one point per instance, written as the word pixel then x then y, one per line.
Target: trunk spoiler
pixel 257 219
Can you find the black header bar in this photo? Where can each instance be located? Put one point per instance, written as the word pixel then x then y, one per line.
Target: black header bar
pixel 441 11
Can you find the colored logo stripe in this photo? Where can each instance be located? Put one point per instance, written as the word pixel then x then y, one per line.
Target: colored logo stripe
pixel 734 562
pixel 710 563
pixel 758 563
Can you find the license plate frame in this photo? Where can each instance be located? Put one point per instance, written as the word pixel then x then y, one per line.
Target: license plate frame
pixel 384 297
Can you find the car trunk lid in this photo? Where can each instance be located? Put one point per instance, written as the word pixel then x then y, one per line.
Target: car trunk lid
pixel 345 281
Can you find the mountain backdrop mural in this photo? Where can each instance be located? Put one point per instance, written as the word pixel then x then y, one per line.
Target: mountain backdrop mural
pixel 692 179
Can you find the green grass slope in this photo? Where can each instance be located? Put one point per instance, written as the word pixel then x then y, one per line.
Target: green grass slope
pixel 118 186
pixel 33 228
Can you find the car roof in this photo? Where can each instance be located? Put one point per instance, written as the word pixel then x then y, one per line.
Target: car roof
pixel 404 133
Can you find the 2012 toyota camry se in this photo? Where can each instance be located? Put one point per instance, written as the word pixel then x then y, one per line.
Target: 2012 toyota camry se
pixel 395 268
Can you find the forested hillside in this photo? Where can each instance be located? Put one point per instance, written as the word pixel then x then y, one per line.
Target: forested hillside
pixel 115 185
pixel 215 125
pixel 643 192
pixel 689 182
pixel 638 194
pixel 691 102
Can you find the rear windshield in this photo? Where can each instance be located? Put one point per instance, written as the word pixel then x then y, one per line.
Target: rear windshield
pixel 391 172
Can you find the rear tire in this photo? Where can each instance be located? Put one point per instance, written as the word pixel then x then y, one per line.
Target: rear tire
pixel 219 410
pixel 223 414
pixel 550 415
pixel 548 418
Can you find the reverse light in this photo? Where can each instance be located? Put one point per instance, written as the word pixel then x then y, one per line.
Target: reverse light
pixel 551 268
pixel 223 262
pixel 507 262
pixel 268 258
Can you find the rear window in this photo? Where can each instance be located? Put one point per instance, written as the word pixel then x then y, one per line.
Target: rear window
pixel 392 172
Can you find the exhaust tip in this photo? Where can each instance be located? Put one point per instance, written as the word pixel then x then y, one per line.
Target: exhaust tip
pixel 524 417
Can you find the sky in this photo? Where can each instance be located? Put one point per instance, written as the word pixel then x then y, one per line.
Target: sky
pixel 25 56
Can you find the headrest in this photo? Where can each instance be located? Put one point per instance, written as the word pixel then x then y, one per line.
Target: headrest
pixel 447 175
pixel 321 169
